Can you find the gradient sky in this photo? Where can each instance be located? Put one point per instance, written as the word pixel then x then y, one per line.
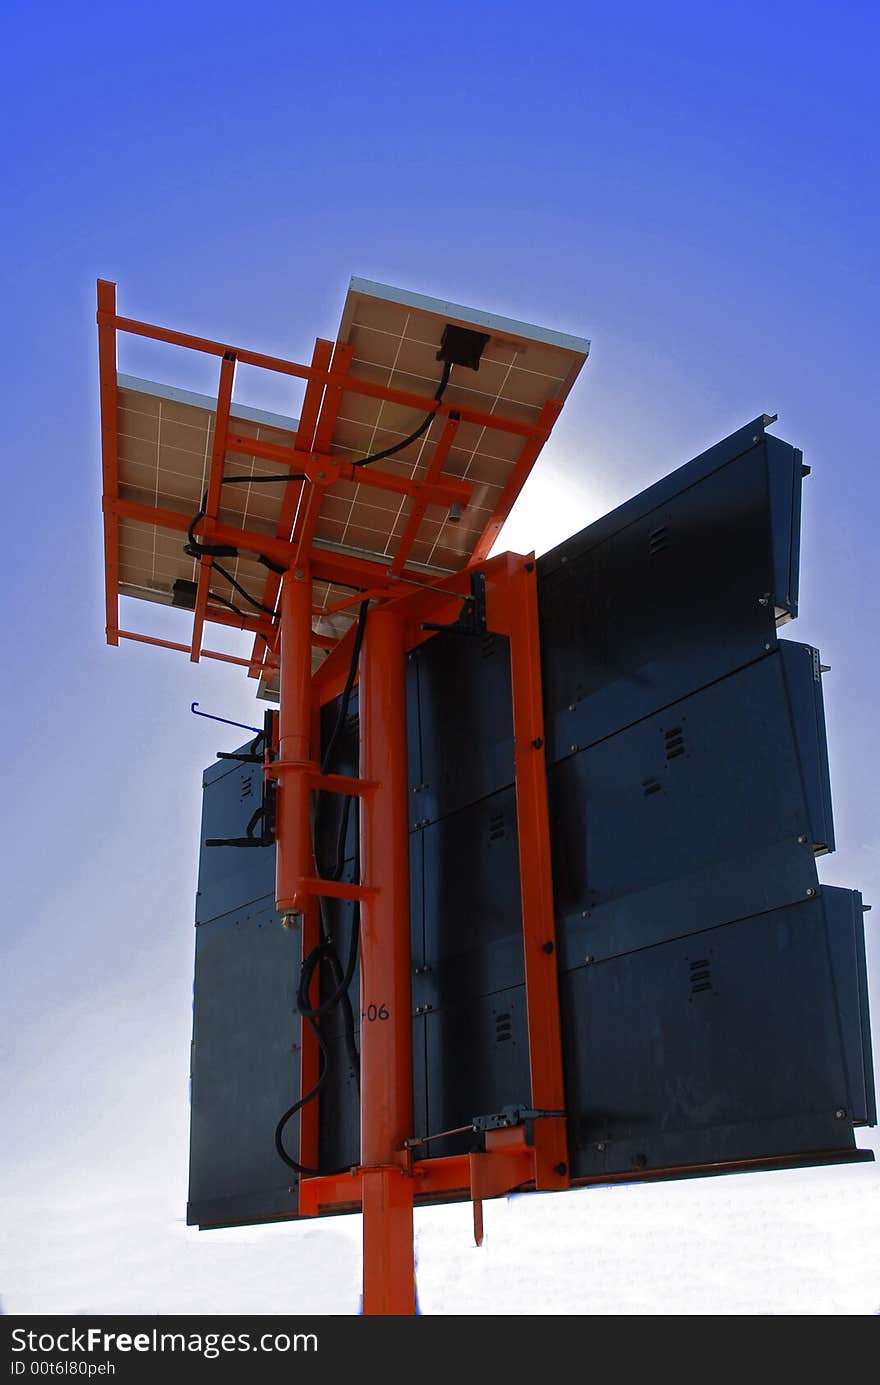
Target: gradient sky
pixel 692 187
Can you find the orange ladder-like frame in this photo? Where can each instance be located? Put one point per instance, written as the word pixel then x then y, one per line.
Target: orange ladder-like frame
pixel 388 1181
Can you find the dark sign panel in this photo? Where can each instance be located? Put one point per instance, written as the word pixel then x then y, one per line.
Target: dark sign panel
pixel 714 999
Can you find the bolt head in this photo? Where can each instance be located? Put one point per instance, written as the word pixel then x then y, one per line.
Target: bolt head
pixel 802 839
pixel 840 1114
pixel 601 1148
pixel 810 892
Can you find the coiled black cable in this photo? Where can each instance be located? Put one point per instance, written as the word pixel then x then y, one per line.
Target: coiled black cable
pixel 325 950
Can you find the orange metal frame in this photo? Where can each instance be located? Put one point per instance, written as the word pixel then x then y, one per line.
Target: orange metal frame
pixel 389 1180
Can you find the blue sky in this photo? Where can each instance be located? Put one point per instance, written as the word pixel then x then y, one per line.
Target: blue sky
pixel 694 188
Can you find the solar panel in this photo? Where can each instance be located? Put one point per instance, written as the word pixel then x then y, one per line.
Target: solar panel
pixel 385 366
pixel 394 339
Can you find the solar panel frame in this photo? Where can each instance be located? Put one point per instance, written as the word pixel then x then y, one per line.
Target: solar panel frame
pixel 367 393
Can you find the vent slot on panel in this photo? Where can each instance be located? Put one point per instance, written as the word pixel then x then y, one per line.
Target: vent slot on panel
pixel 658 540
pixel 247 787
pixel 487 646
pixel 650 786
pixel 700 975
pixel 497 827
pixel 503 1028
pixel 674 739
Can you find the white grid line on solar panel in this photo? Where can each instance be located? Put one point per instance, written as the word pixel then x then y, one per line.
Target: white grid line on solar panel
pixel 334 504
pixel 159 575
pixel 460 456
pixel 362 524
pixel 462 388
pixel 321 593
pixel 432 346
pixel 477 444
pixel 350 551
pixel 415 468
pixel 400 342
pixel 259 466
pixel 430 531
pixel 381 407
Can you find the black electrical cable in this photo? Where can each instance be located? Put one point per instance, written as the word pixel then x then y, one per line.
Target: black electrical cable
pixel 422 428
pixel 262 480
pixel 325 951
pixel 209 550
pixel 215 596
pixel 268 610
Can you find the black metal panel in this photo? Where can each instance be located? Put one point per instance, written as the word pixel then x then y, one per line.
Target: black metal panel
pixel 473 929
pixel 808 724
pixel 464 729
pixel 230 877
pixel 673 590
pixel 846 940
pixel 330 807
pixel 708 811
pixel 244 1066
pixel 339 1110
pixel 477 1063
pixel 723 1045
pixel 723 1013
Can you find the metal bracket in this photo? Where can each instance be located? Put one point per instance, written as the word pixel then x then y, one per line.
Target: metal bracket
pixel 511 1115
pixel 472 618
pixel 265 814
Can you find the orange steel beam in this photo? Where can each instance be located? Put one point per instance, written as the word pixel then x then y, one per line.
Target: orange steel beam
pixel 333 889
pixel 447 1178
pixel 109 453
pixel 212 503
pixel 422 402
pixel 420 505
pixel 337 380
pixel 386 998
pixel 329 680
pixel 294 766
pixel 512 608
pixel 343 783
pixel 305 433
pixel 307 521
pixel 183 648
pixel 328 565
pixel 309 1052
pixel 321 466
pixel 354 600
pixel 524 463
pixel 389 1266
pixel 499 1170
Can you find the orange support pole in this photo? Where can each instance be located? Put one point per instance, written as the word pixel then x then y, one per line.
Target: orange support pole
pixel 386 1000
pixel 515 600
pixel 294 767
pixel 109 451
